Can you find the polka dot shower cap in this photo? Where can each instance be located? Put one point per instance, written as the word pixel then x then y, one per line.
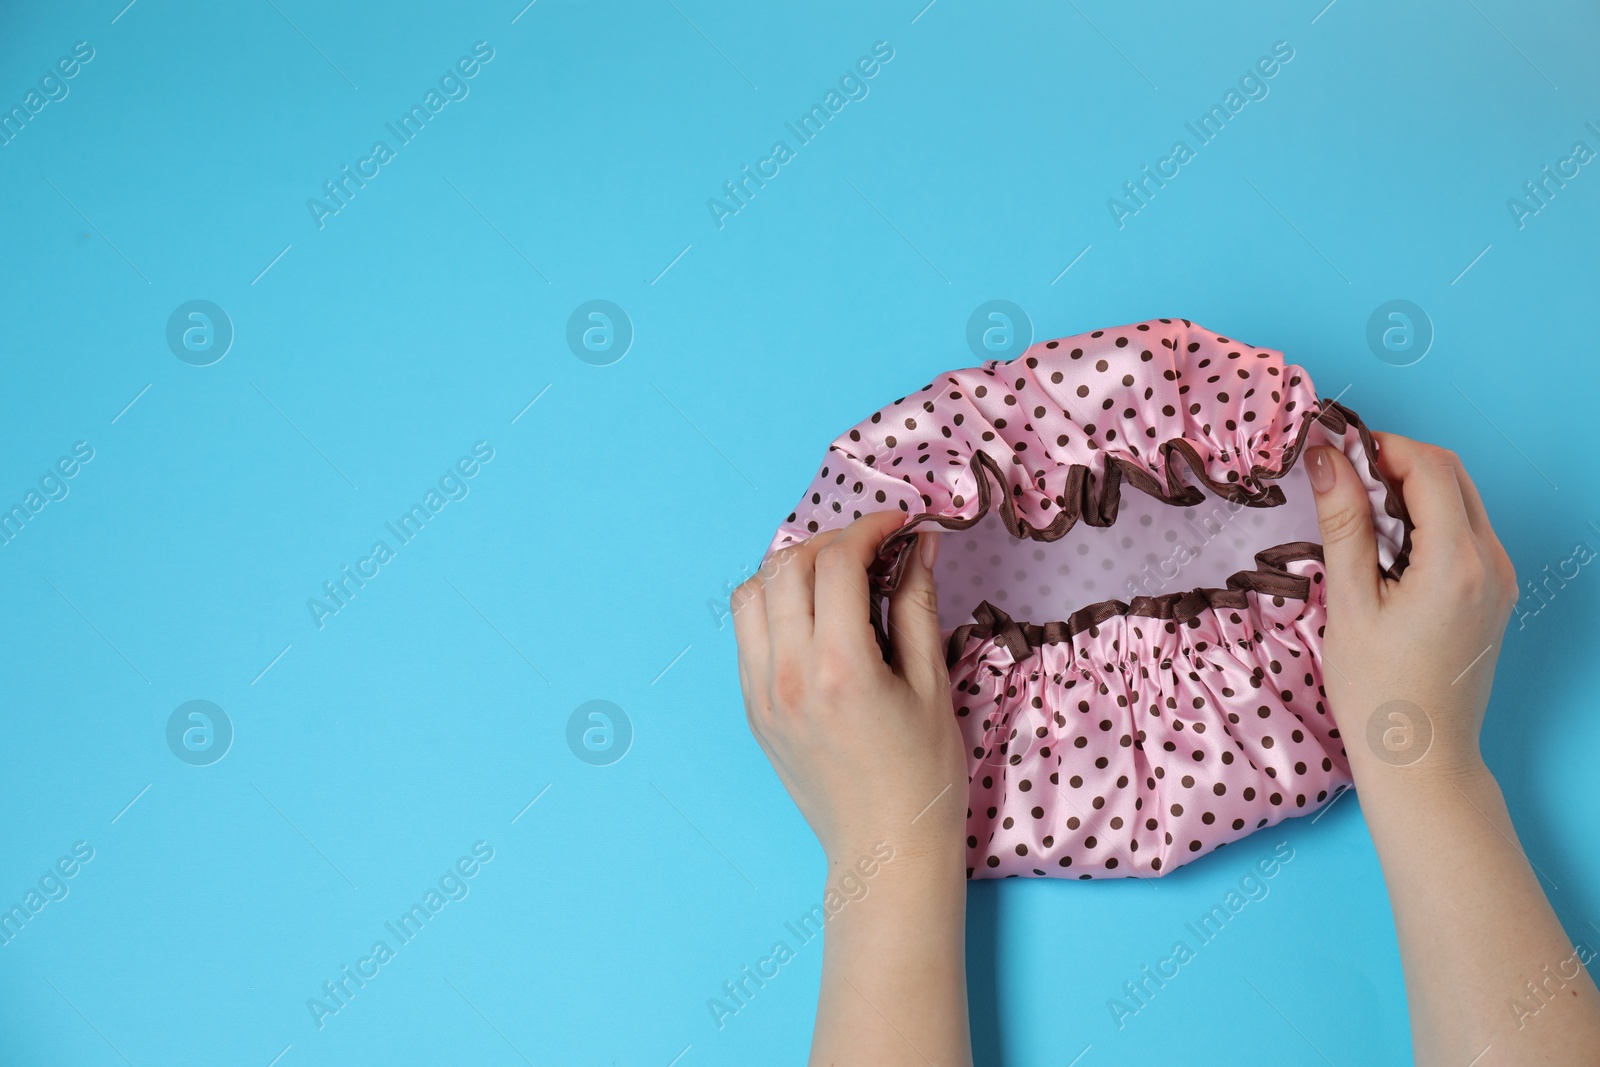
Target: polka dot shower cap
pixel 1130 588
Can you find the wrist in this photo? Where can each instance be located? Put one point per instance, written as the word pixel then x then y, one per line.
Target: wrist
pixel 921 861
pixel 1403 748
pixel 1431 786
pixel 931 837
pixel 1441 769
pixel 907 896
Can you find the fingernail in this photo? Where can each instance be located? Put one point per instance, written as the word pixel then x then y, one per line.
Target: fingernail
pixel 928 548
pixel 1321 469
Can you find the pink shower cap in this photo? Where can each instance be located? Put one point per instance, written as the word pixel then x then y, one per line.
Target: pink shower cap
pixel 1137 675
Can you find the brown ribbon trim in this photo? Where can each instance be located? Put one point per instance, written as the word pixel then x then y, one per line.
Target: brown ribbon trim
pixel 1097 502
pixel 1270 578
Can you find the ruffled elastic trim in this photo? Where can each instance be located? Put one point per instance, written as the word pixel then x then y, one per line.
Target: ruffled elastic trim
pixel 1271 577
pixel 1081 499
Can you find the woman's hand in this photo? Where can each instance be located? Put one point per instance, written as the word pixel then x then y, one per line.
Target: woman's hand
pixel 1491 976
pixel 1408 665
pixel 872 755
pixel 868 751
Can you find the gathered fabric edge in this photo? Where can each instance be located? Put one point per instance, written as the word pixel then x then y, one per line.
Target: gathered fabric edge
pixel 1271 577
pixel 1080 501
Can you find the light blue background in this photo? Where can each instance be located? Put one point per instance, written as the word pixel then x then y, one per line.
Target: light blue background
pixel 594 552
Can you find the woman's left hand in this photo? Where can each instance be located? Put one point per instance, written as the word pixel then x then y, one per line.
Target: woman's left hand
pixel 869 751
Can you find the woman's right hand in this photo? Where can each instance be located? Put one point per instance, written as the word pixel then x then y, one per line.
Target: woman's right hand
pixel 1408 664
pixel 1491 976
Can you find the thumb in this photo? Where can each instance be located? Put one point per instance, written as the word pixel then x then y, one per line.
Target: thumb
pixel 1344 514
pixel 914 621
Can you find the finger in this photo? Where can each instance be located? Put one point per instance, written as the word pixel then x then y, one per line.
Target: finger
pixel 844 602
pixel 790 578
pixel 1344 514
pixel 749 608
pixel 1426 477
pixel 914 622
